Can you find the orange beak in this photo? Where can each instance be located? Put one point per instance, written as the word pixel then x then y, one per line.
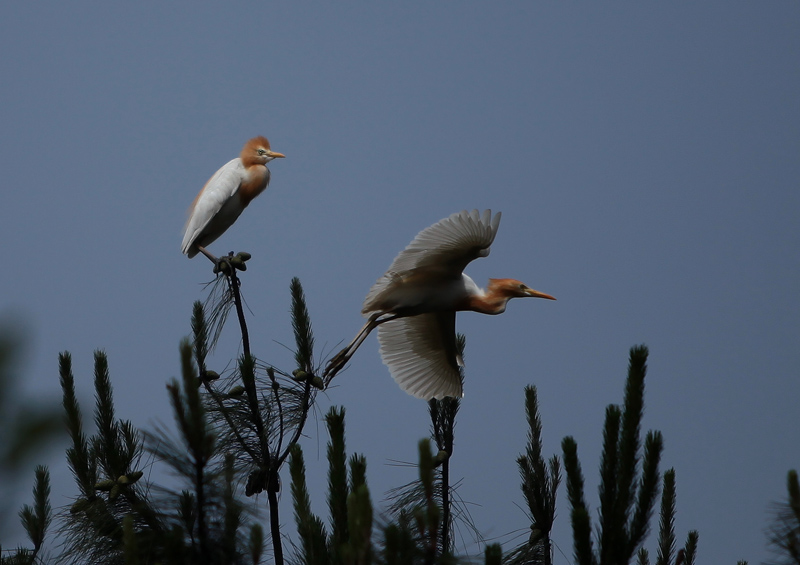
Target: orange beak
pixel 536 294
pixel 275 154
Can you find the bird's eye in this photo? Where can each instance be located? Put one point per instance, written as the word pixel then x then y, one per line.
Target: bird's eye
pixel 262 152
pixel 523 287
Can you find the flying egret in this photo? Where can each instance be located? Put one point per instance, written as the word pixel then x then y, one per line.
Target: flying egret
pixel 226 195
pixel 414 304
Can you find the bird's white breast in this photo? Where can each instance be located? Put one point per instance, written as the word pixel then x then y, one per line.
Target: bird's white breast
pixel 414 295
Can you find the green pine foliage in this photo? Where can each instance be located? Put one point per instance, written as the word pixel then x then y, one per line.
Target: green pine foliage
pixel 235 429
pixel 629 484
pixel 231 431
pixel 259 411
pixel 666 534
pixel 784 531
pixel 107 467
pixel 313 548
pixel 36 521
pixel 540 482
pixel 443 422
pixel 455 514
pixel 349 503
pixel 27 426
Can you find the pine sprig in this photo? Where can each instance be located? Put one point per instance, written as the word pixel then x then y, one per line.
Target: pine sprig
pixel 36 519
pixel 301 322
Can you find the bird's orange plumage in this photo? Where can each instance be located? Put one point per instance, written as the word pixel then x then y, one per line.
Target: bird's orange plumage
pixel 226 194
pixel 249 152
pixel 257 171
pixel 414 304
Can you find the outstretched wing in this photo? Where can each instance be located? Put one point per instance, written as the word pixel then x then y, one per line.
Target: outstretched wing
pixel 420 352
pixel 206 222
pixel 441 251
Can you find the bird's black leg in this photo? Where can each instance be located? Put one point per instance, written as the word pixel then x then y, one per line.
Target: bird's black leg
pixel 343 357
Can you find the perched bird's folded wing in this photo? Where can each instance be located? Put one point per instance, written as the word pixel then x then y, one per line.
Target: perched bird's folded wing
pixel 420 352
pixel 217 191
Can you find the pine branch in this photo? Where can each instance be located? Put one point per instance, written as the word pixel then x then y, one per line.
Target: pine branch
pixel 337 480
pixel 304 355
pixel 793 487
pixel 313 538
pixel 93 531
pixel 648 490
pixel 82 466
pixel 301 322
pixel 218 305
pixel 232 513
pixel 358 549
pixel 36 519
pixel 255 543
pixel 690 549
pixel 234 285
pixel 248 375
pixel 493 554
pixel 265 422
pixel 783 534
pixel 539 486
pixel 666 537
pixel 443 421
pixel 555 480
pixel 112 457
pixel 200 335
pixel 399 546
pixel 358 471
pixel 428 516
pixel 629 444
pixel 581 522
pixel 130 553
pixel 199 441
pixel 612 520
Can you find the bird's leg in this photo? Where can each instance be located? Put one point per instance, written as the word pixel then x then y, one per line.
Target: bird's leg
pixel 208 254
pixel 221 264
pixel 341 359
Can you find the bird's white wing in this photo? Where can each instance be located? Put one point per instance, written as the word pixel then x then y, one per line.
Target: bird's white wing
pixel 217 191
pixel 420 352
pixel 453 241
pixel 441 251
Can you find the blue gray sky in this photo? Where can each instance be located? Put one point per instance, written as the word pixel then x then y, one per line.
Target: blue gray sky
pixel 646 159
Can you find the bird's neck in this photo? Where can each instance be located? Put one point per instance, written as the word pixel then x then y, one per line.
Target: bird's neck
pixel 256 181
pixel 487 303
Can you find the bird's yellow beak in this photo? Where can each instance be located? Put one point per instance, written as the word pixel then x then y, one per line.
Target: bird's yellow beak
pixel 275 154
pixel 536 294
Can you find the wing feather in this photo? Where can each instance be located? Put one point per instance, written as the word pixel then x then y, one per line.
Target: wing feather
pixel 420 352
pixel 207 206
pixel 442 251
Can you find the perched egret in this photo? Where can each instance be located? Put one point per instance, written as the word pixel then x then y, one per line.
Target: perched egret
pixel 414 304
pixel 226 195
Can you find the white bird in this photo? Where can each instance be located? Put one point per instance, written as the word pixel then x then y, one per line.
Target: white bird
pixel 414 304
pixel 226 194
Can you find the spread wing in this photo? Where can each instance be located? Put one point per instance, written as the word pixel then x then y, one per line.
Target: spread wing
pixel 441 251
pixel 209 203
pixel 420 352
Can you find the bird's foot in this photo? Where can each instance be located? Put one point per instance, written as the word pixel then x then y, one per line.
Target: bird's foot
pixel 223 265
pixel 335 365
pixel 230 262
